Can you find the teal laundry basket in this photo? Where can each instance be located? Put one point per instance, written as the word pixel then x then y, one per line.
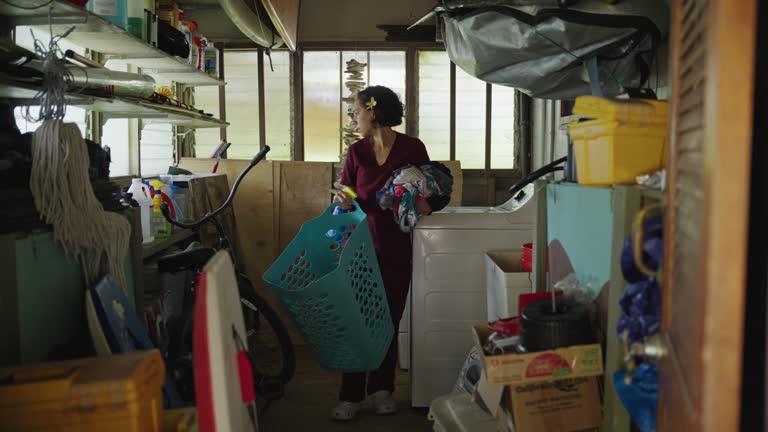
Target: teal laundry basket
pixel 328 278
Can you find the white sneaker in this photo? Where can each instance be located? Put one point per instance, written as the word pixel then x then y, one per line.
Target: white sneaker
pixel 346 411
pixel 383 402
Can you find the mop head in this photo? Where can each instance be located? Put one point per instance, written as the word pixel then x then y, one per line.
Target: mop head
pixel 64 198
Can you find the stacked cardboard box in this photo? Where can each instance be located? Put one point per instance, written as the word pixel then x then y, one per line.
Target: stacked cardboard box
pixel 548 391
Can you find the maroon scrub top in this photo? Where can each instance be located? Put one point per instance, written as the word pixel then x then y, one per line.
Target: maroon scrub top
pixel 363 173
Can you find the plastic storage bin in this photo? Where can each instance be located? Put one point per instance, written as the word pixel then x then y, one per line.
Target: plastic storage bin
pixel 328 278
pixel 627 138
pixel 121 393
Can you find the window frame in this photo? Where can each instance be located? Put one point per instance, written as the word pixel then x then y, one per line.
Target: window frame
pixel 411 50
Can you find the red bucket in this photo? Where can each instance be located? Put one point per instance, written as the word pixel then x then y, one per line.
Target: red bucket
pixel 526 260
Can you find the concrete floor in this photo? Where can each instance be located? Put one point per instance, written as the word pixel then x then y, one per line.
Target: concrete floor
pixel 313 393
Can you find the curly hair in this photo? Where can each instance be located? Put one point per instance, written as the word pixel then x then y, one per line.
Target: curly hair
pixel 388 111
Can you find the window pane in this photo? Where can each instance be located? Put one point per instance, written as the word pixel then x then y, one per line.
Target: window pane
pixel 277 99
pixel 502 127
pixel 207 139
pixel 157 143
pixel 435 103
pixel 388 70
pixel 470 120
pixel 322 114
pixel 242 95
pixel 116 134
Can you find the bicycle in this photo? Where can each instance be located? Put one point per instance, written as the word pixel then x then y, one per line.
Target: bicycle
pixel 273 361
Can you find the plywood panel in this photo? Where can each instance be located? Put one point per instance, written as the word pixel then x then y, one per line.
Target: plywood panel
pixel 458 182
pixel 209 193
pixel 254 211
pixel 303 194
pixel 285 17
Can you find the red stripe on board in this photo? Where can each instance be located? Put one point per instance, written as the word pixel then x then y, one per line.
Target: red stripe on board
pixel 202 360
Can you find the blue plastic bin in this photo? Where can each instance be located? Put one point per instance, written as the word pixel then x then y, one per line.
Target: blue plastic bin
pixel 328 278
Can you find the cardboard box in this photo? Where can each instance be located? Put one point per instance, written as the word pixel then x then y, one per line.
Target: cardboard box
pixel 505 281
pixel 571 405
pixel 570 362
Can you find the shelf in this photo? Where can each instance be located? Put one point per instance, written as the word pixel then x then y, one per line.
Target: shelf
pixel 159 245
pixel 97 34
pixel 114 108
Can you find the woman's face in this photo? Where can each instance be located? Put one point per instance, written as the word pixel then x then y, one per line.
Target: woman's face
pixel 364 119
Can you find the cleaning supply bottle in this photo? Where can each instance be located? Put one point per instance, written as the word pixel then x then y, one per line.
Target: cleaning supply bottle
pixel 184 28
pixel 161 227
pixel 211 59
pixel 196 50
pixel 351 194
pixel 141 194
pixel 136 25
pixel 112 10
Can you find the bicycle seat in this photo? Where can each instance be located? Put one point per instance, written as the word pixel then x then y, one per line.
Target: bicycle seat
pixel 186 259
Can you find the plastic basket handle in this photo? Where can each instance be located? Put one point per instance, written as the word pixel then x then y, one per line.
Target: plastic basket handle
pixel 329 210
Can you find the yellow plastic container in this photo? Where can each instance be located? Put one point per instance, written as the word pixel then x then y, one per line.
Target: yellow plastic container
pixel 180 420
pixel 627 138
pixel 120 393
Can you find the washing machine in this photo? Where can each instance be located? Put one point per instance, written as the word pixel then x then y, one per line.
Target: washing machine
pixel 448 294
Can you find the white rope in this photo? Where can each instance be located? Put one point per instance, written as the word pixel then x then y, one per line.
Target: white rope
pixel 64 198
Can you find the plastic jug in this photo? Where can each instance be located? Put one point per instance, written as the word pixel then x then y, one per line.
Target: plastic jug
pixel 141 195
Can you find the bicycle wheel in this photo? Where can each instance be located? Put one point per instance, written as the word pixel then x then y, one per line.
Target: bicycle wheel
pixel 269 343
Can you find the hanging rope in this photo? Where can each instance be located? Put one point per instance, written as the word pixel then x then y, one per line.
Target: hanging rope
pixel 64 198
pixel 56 78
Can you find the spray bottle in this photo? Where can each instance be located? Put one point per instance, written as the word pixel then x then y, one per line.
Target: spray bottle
pixel 141 194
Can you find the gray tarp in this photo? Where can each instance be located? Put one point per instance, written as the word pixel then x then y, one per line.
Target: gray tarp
pixel 541 48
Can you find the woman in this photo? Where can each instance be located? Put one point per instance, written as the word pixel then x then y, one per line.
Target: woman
pixel 368 165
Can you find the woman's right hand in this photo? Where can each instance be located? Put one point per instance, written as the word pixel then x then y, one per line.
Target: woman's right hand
pixel 341 197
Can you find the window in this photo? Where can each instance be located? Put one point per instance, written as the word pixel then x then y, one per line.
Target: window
pixel 322 106
pixel 324 111
pixel 470 120
pixel 434 116
pixel 241 94
pixel 435 103
pixel 277 100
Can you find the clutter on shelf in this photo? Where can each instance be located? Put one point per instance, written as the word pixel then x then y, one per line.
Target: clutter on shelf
pixel 639 324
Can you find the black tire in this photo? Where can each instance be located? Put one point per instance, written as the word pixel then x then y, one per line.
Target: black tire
pixel 281 363
pixel 542 329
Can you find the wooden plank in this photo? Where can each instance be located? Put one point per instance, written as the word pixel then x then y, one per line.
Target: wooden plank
pixel 208 194
pixel 706 239
pixel 458 183
pixel 304 194
pixel 255 212
pixel 285 17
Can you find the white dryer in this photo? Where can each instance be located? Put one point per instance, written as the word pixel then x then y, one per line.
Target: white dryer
pixel 448 293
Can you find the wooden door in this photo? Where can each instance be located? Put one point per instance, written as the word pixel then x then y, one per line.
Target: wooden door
pixel 712 71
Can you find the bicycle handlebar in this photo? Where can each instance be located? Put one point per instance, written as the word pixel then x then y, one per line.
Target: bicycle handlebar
pixel 192 225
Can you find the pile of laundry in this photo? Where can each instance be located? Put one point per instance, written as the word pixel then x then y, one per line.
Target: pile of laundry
pixel 431 182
